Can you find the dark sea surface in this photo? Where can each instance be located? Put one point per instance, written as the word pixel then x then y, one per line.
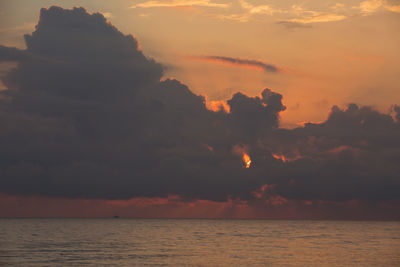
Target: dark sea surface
pixel 165 242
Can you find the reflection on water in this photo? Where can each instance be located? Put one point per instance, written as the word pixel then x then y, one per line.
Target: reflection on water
pixel 39 242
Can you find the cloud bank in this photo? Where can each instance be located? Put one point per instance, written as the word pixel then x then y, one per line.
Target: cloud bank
pixel 86 115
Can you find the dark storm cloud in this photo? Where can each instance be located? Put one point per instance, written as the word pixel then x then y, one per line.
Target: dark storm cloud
pixel 252 115
pixel 11 54
pixel 82 56
pixel 352 154
pixel 86 115
pixel 240 62
pixel 396 110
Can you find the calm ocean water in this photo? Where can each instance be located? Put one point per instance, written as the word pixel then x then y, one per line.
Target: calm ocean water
pixel 140 242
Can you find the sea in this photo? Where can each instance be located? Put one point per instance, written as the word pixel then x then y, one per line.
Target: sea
pixel 197 242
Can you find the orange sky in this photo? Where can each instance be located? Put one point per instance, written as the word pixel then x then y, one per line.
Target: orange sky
pixel 264 207
pixel 333 52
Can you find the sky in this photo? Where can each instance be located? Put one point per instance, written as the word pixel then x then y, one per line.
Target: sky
pixel 196 108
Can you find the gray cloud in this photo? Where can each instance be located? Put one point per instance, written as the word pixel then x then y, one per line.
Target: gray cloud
pixel 291 25
pixel 86 115
pixel 351 155
pixel 240 62
pixel 79 53
pixel 11 54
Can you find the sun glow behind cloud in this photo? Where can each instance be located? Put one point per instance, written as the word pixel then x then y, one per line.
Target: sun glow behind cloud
pixel 246 160
pixel 242 151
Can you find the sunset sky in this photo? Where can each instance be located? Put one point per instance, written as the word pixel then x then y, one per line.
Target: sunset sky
pixel 97 123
